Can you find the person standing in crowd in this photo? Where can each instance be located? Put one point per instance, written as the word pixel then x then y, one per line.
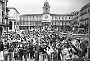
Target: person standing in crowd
pixel 33 54
pixel 59 53
pixel 5 54
pixel 31 51
pixel 1 51
pixel 21 53
pixel 55 55
pixel 25 52
pixel 49 52
pixel 16 55
pixel 28 50
pixel 10 50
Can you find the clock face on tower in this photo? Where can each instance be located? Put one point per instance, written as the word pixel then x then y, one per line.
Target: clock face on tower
pixel 46 16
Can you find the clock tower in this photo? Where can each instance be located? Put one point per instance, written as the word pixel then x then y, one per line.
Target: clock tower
pixel 46 18
pixel 46 8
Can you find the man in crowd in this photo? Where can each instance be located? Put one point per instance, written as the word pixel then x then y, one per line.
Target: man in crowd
pixel 10 50
pixel 21 53
pixel 1 51
pixel 25 51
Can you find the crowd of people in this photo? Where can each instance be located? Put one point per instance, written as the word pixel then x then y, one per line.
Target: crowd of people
pixel 49 45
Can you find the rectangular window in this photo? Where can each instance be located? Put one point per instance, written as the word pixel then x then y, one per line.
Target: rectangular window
pixel 28 18
pixel 32 23
pixel 23 23
pixel 33 16
pixel 27 23
pixel 65 17
pixel 67 23
pixel 69 17
pixel 59 17
pixel 52 18
pixel 37 16
pixel 21 18
pixel 36 22
pixel 20 23
pixel 52 23
pixel 62 17
pixel 55 17
pixel 25 18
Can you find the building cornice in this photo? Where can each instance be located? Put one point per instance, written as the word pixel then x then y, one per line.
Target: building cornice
pixel 85 6
pixel 61 14
pixel 43 14
pixel 30 14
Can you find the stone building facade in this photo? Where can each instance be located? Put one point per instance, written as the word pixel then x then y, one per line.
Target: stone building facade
pixel 46 20
pixel 13 18
pixel 3 16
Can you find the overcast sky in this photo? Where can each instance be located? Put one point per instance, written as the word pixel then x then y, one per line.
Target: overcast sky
pixel 57 6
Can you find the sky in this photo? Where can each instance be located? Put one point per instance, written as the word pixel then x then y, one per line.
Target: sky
pixel 56 6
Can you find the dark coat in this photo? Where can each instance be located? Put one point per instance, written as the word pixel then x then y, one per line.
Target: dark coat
pixel 1 46
pixel 21 51
pixel 30 48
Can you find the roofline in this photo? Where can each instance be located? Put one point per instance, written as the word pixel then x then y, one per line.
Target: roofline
pixel 13 8
pixel 50 14
pixel 62 14
pixel 30 14
pixel 85 6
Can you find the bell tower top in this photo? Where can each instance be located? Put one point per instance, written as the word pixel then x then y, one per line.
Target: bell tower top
pixel 46 1
pixel 46 7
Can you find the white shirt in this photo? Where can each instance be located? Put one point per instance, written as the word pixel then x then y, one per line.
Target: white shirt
pixel 50 51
